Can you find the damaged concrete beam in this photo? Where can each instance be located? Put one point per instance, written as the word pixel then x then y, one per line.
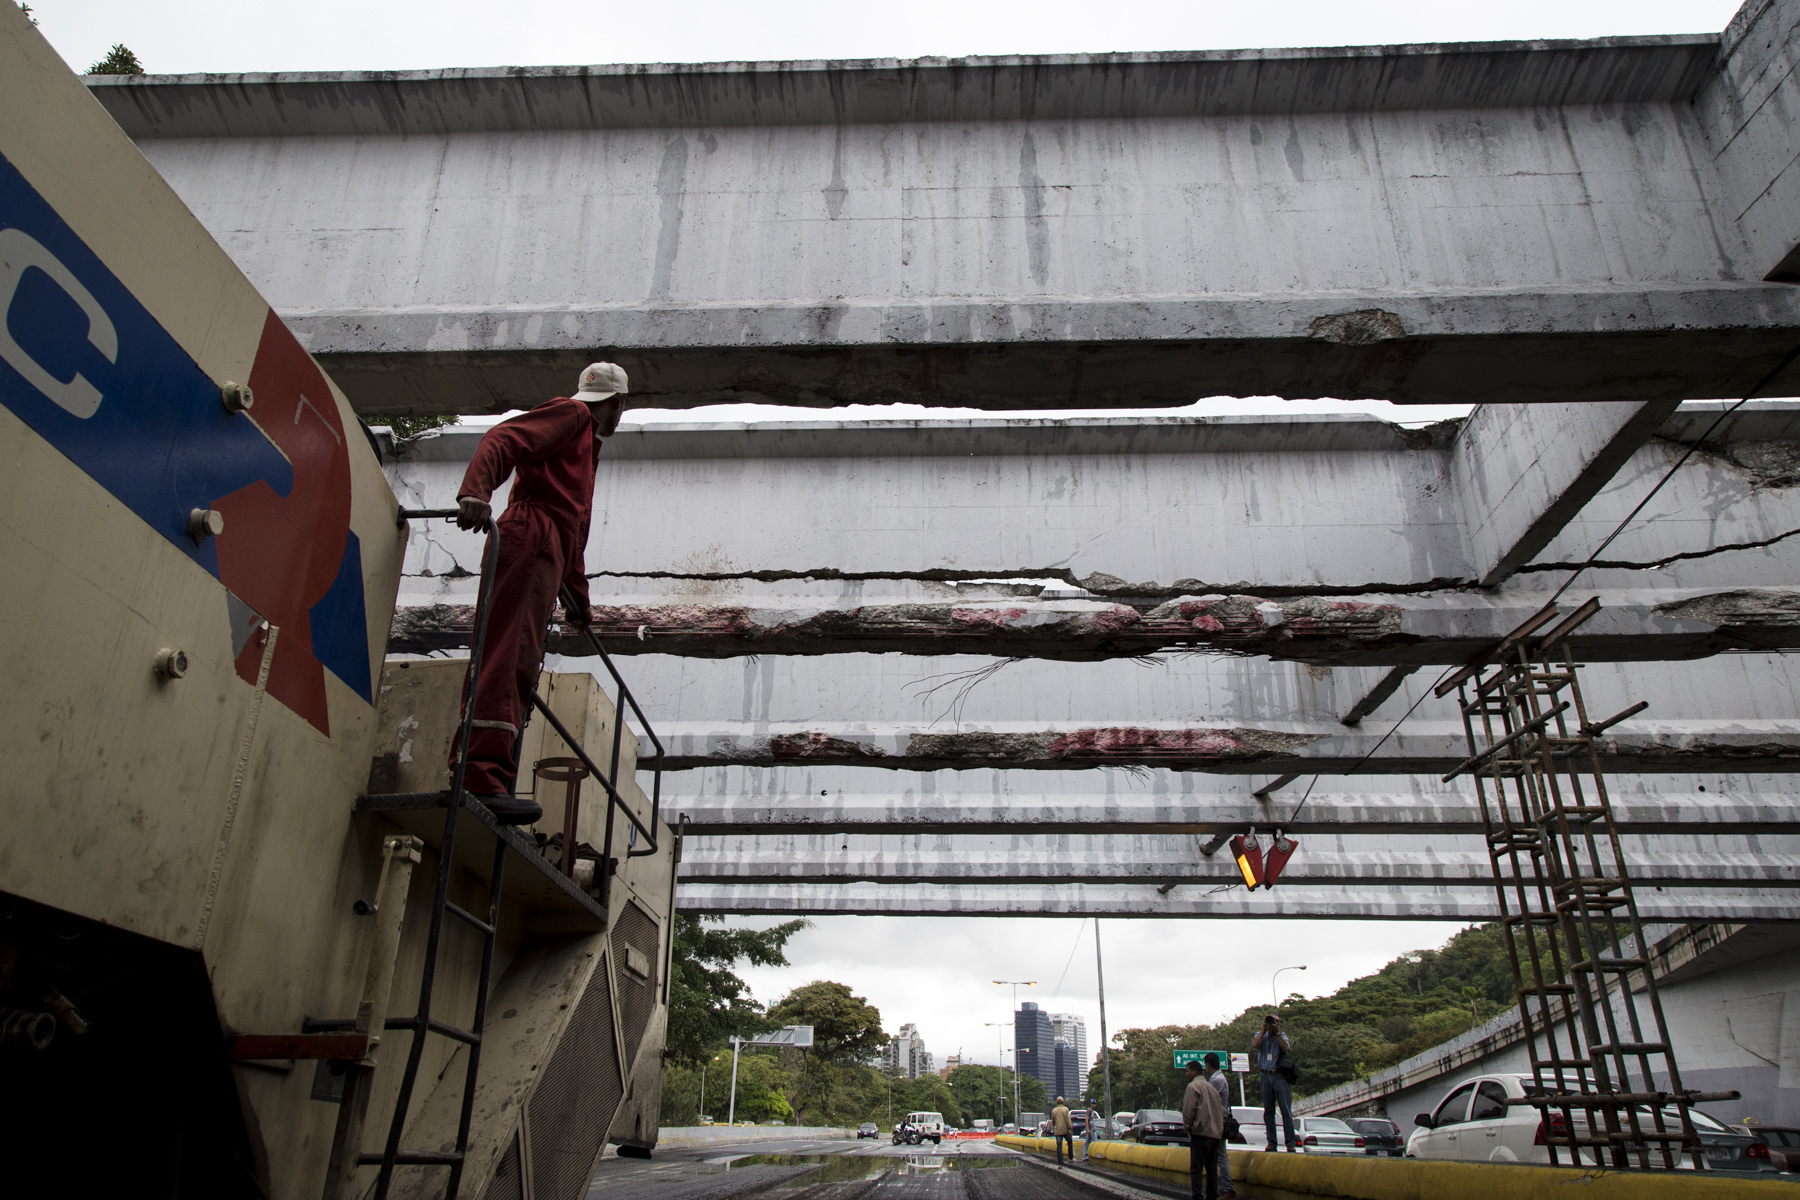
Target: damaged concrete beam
pixel 1133 511
pixel 1326 812
pixel 1522 471
pixel 758 241
pixel 1333 861
pixel 1419 747
pixel 1371 902
pixel 1362 630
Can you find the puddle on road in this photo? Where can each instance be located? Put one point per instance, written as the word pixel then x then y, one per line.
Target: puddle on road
pixel 839 1168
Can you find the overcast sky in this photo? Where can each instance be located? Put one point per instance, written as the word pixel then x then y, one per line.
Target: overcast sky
pixel 933 972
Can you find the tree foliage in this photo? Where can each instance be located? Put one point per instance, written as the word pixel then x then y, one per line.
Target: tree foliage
pixel 846 1029
pixel 1415 1002
pixel 707 1002
pixel 26 9
pixel 118 61
pixel 406 428
pixel 986 1093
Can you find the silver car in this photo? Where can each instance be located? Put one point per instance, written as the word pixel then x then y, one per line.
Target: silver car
pixel 1328 1135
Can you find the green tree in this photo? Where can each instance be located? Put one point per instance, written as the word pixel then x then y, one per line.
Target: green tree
pixel 707 1002
pixel 26 9
pixel 846 1029
pixel 118 61
pixel 406 428
pixel 986 1093
pixel 927 1093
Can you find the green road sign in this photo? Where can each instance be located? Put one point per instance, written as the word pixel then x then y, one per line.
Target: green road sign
pixel 1184 1057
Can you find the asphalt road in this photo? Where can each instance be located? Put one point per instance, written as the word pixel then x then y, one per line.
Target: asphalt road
pixel 840 1170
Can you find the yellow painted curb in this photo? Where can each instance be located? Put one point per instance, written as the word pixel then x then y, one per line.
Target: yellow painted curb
pixel 1410 1179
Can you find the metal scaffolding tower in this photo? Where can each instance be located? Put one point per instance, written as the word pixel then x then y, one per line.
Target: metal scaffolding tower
pixel 1607 1083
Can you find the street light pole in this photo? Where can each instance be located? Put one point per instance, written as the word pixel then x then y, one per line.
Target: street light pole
pixel 731 1114
pixel 1272 993
pixel 1105 1061
pixel 1000 1065
pixel 1016 985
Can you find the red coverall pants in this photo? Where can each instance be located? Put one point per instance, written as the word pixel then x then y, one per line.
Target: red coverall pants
pixel 526 578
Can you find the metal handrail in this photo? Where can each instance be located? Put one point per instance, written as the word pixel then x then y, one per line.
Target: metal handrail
pixel 612 794
pixel 625 698
pixel 391 1154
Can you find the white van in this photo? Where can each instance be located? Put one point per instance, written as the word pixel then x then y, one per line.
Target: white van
pixel 1256 1134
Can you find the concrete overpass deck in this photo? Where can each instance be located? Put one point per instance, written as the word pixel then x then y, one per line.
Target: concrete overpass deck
pixel 1607 220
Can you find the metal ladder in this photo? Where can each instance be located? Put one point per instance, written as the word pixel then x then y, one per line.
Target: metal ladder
pixel 1567 908
pixel 453 802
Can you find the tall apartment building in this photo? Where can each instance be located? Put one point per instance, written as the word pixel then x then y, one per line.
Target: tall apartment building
pixel 1071 1077
pixel 906 1056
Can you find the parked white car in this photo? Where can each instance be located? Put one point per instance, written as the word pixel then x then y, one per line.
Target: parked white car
pixel 1328 1135
pixel 1474 1123
pixel 1256 1134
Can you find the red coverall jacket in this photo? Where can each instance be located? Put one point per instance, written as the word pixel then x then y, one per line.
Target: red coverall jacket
pixel 553 449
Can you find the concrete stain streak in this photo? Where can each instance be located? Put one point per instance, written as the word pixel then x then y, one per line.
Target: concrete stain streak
pixel 669 188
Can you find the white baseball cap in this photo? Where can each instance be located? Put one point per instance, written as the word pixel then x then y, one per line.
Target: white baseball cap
pixel 601 380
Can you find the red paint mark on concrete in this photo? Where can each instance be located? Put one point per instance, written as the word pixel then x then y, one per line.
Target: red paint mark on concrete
pixel 789 747
pixel 998 618
pixel 1116 619
pixel 1142 745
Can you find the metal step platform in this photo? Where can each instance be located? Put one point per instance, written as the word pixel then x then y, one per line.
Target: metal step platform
pixel 552 901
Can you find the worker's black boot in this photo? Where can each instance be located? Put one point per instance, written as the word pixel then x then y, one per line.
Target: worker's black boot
pixel 511 810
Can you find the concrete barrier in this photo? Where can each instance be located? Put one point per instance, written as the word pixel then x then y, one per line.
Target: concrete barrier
pixel 735 1135
pixel 1285 1176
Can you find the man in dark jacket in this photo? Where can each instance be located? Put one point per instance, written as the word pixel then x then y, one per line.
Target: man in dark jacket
pixel 554 449
pixel 1204 1118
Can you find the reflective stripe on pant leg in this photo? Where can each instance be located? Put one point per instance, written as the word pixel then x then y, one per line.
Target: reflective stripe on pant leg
pixel 526 578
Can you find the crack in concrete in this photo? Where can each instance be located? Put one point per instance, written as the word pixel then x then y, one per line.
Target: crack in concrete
pixel 1656 564
pixel 1099 583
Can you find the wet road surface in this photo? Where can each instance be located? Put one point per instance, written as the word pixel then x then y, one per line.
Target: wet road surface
pixel 839 1170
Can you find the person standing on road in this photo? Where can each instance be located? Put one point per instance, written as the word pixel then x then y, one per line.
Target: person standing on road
pixel 1087 1140
pixel 1271 1047
pixel 1062 1128
pixel 1203 1115
pixel 1221 1085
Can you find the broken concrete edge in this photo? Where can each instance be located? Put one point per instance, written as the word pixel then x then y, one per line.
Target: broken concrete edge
pixel 1671 748
pixel 1382 630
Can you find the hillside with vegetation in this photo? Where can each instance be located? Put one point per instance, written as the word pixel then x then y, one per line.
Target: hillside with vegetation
pixel 1417 1001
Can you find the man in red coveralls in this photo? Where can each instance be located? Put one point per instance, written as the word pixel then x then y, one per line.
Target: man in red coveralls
pixel 543 535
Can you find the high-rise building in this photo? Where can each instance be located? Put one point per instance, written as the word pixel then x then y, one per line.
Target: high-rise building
pixel 906 1056
pixel 1034 1046
pixel 1067 1027
pixel 950 1064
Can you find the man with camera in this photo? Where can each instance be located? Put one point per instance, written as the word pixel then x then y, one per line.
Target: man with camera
pixel 1275 1064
